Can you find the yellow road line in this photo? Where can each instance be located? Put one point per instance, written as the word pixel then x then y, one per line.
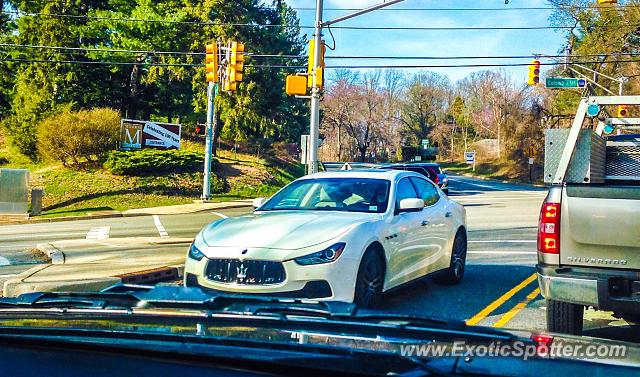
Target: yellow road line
pixel 519 306
pixel 501 300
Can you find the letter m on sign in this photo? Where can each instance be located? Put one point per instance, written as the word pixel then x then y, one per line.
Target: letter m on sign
pixel 131 137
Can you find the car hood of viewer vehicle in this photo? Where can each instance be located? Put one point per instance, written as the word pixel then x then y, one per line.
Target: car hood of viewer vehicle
pixel 288 230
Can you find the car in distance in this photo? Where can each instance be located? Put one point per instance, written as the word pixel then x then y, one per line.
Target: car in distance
pixel 345 236
pixel 431 170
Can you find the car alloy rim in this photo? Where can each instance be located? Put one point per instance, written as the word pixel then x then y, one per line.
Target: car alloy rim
pixel 372 281
pixel 458 261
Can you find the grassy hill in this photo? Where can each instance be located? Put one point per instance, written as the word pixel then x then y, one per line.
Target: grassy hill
pixel 95 190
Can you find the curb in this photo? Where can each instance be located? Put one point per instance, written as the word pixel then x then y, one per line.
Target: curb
pixel 56 256
pixel 17 286
pixel 114 215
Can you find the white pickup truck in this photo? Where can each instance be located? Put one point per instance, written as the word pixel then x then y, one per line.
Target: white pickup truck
pixel 589 228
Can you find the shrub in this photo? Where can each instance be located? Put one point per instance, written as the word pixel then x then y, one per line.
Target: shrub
pixel 70 136
pixel 153 162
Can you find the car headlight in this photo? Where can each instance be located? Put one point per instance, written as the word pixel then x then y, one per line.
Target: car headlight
pixel 195 253
pixel 327 255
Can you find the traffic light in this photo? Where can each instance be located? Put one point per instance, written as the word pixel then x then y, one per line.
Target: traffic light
pixel 200 129
pixel 296 85
pixel 211 62
pixel 235 67
pixel 318 68
pixel 534 72
pixel 623 110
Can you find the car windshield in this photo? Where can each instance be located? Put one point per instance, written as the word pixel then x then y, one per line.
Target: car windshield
pixel 333 194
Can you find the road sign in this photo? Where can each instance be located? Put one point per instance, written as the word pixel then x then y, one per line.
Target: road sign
pixel 565 82
pixel 531 151
pixel 531 160
pixel 425 142
pixel 470 157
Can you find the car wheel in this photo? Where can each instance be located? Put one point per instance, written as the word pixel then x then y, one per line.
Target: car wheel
pixel 368 289
pixel 563 317
pixel 455 272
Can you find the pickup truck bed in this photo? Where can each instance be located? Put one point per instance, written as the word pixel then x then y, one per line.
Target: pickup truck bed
pixel 597 262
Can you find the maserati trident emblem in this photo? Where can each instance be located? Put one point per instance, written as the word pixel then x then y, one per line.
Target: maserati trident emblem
pixel 241 273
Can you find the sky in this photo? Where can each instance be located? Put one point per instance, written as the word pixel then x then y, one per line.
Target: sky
pixel 438 43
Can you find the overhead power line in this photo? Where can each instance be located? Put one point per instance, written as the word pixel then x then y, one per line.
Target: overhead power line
pixel 493 9
pixel 148 52
pixel 405 28
pixel 338 57
pixel 552 63
pixel 150 64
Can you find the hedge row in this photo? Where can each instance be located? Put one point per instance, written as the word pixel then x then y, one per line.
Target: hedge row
pixel 153 162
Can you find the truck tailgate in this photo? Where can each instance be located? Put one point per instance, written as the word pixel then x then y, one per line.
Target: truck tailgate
pixel 600 226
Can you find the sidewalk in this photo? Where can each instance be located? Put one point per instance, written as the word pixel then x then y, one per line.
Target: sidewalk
pixel 166 210
pixel 92 265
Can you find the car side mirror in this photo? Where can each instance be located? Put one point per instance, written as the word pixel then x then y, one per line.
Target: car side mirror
pixel 258 202
pixel 411 205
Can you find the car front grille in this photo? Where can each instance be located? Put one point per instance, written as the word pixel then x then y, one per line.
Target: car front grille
pixel 247 272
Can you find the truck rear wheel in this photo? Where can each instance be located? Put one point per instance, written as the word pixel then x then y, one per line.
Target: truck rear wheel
pixel 563 317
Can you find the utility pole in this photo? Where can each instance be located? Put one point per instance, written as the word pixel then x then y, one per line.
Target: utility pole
pixel 316 89
pixel 314 131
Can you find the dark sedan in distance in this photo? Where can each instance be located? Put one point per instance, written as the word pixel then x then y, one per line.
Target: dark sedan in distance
pixel 431 170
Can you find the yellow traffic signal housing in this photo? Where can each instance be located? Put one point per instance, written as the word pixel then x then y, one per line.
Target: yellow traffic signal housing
pixel 311 69
pixel 211 62
pixel 237 61
pixel 623 111
pixel 296 85
pixel 607 1
pixel 534 72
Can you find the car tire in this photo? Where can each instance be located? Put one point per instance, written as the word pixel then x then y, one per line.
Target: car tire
pixel 564 317
pixel 369 281
pixel 455 272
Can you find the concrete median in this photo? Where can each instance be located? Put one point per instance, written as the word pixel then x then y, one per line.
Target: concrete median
pixel 91 265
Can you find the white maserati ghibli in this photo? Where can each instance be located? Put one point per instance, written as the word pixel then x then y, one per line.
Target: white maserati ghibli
pixel 345 235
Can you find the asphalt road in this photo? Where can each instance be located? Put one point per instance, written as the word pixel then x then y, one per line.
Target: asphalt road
pixel 499 288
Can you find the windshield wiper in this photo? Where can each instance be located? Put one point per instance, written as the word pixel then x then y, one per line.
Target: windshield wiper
pixel 132 297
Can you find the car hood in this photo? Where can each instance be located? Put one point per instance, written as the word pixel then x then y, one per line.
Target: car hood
pixel 288 230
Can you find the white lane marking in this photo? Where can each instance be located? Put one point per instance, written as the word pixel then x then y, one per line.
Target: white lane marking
pixel 495 252
pixel 4 261
pixel 220 215
pixel 504 241
pixel 98 233
pixel 160 227
pixel 7 276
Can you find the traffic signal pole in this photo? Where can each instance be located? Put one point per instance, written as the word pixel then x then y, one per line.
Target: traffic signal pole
pixel 212 91
pixel 316 89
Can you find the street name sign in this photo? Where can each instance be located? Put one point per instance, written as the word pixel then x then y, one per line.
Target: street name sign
pixel 565 82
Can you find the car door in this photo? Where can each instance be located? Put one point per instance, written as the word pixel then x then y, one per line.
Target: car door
pixel 404 231
pixel 435 232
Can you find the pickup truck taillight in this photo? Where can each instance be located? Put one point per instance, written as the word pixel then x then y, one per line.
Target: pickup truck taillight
pixel 549 229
